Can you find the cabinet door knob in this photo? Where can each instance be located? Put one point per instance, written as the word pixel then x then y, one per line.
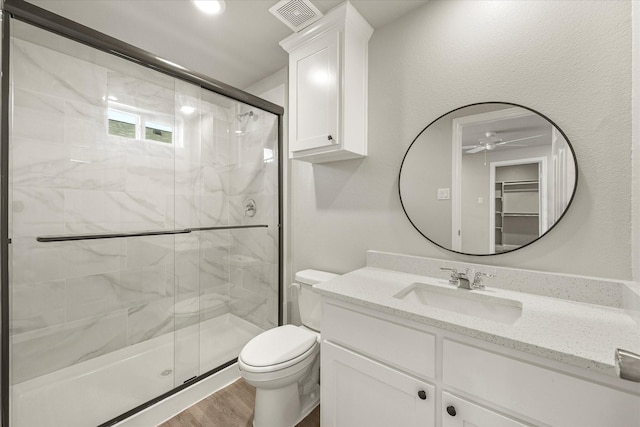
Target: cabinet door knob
pixel 330 138
pixel 422 395
pixel 451 410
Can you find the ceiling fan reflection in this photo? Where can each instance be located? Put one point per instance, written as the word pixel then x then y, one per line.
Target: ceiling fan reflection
pixel 491 141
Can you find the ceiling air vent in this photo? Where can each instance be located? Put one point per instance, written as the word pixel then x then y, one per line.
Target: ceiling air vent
pixel 296 14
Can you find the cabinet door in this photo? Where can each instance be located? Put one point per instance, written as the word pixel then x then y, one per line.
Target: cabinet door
pixel 560 400
pixel 313 99
pixel 458 412
pixel 359 392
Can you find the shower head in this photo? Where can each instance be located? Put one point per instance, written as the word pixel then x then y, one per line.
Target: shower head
pixel 242 116
pixel 242 123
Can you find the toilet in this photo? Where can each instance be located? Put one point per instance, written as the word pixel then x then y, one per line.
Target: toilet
pixel 283 363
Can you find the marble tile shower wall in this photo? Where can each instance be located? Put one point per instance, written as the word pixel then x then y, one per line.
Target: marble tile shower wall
pixel 73 301
pixel 254 261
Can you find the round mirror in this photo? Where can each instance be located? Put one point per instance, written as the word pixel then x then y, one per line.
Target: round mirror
pixel 487 178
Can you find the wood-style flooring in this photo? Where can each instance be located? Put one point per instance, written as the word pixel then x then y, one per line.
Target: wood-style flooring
pixel 230 407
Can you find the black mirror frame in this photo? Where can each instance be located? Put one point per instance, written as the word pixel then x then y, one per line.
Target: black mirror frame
pixel 573 194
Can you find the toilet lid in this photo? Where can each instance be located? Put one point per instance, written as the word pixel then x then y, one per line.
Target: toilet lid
pixel 277 346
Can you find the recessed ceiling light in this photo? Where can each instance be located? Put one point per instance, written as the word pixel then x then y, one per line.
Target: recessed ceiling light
pixel 211 7
pixel 187 109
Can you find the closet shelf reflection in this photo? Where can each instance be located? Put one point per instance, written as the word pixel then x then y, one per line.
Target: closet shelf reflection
pixel 72 237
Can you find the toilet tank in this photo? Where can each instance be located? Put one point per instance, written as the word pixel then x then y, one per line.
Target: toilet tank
pixel 309 302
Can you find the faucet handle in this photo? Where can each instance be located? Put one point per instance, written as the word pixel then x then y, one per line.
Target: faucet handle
pixel 453 279
pixel 477 279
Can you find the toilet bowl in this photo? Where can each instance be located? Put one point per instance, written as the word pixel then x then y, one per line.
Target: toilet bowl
pixel 283 363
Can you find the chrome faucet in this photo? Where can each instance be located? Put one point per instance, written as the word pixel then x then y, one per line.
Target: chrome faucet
pixel 477 280
pixel 453 279
pixel 459 280
pixel 462 280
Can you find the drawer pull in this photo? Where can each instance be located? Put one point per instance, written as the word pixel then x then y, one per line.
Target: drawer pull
pixel 422 395
pixel 451 410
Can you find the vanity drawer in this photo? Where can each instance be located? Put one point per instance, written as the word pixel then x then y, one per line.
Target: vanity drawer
pixel 542 394
pixel 409 349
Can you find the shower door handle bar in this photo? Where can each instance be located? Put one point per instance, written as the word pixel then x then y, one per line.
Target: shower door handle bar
pixel 73 237
pixel 228 227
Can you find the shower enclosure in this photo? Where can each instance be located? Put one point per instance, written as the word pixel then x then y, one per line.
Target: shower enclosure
pixel 140 224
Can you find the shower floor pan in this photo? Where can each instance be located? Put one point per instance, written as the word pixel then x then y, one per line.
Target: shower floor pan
pixel 100 389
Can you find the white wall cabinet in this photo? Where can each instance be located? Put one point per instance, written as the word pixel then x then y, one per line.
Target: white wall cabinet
pixel 373 366
pixel 328 87
pixel 367 393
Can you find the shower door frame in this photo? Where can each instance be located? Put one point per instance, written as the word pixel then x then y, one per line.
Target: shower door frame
pixel 34 15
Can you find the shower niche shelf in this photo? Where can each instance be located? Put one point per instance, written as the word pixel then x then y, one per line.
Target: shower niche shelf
pixel 328 87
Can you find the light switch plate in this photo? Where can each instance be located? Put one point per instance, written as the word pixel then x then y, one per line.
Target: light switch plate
pixel 444 193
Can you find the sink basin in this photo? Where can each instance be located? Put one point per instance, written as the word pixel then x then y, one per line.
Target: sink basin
pixel 472 303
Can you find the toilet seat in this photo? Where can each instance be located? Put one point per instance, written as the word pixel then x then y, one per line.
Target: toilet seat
pixel 277 349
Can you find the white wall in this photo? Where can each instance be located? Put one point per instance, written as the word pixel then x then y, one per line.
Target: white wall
pixel 429 166
pixel 636 144
pixel 474 184
pixel 273 88
pixel 568 60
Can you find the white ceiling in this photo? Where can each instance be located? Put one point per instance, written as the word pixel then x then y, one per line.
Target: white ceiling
pixel 239 47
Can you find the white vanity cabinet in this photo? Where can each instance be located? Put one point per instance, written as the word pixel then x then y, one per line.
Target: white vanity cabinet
pixel 545 395
pixel 328 87
pixel 368 393
pixel 375 382
pixel 374 365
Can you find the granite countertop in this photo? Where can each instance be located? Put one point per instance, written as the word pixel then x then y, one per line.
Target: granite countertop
pixel 576 333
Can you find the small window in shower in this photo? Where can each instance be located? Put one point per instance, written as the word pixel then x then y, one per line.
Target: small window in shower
pixel 141 126
pixel 158 132
pixel 122 124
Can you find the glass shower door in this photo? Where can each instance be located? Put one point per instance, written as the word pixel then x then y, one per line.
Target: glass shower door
pixel 145 231
pixel 226 269
pixel 186 282
pixel 238 198
pixel 93 152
